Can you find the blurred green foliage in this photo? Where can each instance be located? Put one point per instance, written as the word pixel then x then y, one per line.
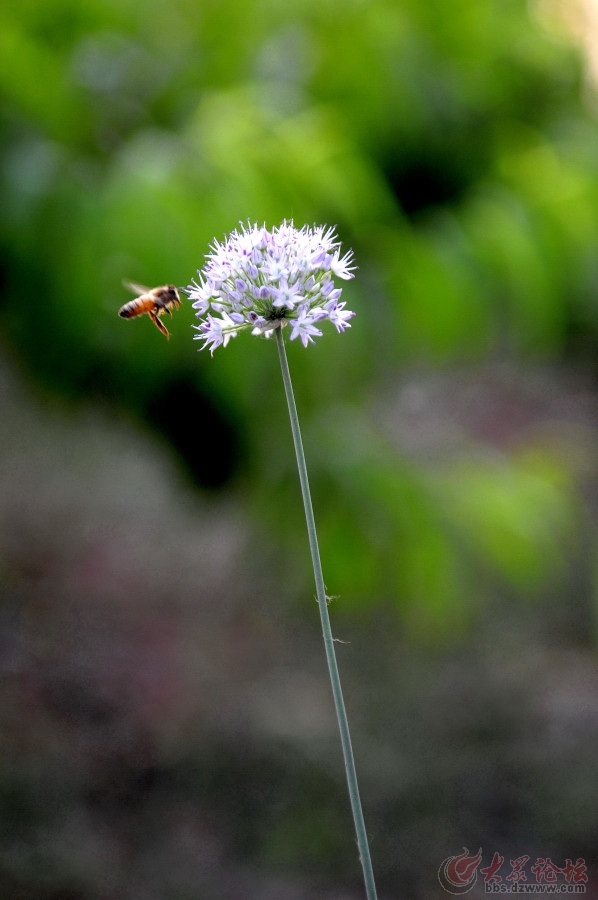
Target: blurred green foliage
pixel 450 144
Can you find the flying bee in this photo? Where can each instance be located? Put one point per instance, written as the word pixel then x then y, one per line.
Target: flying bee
pixel 153 301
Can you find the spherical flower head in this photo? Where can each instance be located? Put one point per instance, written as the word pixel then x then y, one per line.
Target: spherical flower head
pixel 262 280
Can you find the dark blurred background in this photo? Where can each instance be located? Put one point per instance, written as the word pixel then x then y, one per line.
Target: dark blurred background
pixel 166 726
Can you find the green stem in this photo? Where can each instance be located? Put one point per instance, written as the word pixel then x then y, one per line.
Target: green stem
pixel 343 724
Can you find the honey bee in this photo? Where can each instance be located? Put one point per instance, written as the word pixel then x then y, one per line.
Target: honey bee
pixel 153 301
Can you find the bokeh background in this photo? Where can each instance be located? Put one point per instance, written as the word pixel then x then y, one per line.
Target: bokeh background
pixel 166 726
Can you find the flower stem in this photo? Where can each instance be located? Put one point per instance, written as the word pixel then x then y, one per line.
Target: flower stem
pixel 343 724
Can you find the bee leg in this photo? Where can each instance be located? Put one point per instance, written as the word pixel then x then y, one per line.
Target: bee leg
pixel 162 308
pixel 159 325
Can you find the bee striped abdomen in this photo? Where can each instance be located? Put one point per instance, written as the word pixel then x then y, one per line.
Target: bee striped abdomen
pixel 136 307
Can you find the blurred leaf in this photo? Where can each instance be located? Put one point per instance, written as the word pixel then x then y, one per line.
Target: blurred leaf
pixel 517 514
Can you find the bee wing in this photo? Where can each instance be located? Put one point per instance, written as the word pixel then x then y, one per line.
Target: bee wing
pixel 136 288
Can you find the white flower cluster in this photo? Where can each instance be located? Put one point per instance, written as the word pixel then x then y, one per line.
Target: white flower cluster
pixel 262 280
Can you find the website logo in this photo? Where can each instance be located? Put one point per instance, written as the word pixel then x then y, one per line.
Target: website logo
pixel 458 874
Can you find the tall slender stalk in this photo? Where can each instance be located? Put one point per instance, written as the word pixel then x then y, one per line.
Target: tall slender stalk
pixel 343 724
